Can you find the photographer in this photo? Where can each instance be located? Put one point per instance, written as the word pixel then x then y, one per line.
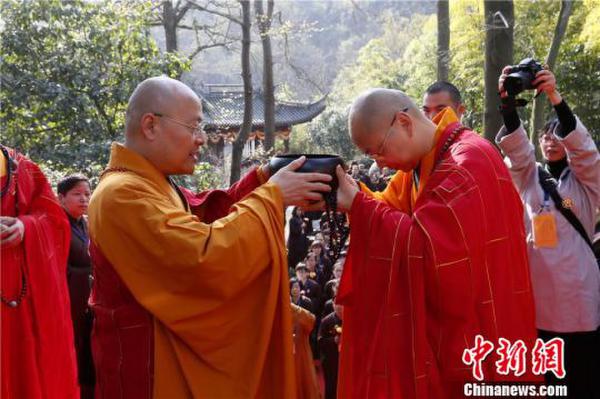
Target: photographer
pixel 564 271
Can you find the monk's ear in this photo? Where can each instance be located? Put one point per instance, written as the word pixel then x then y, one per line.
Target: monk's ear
pixel 149 126
pixel 461 109
pixel 406 122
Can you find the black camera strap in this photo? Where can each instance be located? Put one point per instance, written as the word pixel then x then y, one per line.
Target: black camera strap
pixel 549 186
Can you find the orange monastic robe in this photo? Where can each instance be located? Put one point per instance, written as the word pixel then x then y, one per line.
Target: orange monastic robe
pixel 216 294
pixel 431 267
pixel 307 384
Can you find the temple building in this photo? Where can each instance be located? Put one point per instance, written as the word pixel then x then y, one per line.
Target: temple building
pixel 223 107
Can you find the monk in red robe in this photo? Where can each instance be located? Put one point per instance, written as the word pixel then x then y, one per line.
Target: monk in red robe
pixel 38 353
pixel 435 260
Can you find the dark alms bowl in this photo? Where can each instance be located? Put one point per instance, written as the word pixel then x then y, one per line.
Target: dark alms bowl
pixel 319 163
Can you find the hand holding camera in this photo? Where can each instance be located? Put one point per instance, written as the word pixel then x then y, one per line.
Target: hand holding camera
pixel 545 82
pixel 528 75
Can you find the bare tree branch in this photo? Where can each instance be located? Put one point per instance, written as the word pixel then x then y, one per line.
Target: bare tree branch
pixel 181 13
pixel 202 48
pixel 215 12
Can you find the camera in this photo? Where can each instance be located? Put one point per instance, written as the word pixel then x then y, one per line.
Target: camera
pixel 521 76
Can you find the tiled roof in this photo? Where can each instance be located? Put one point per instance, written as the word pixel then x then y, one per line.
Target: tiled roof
pixel 225 110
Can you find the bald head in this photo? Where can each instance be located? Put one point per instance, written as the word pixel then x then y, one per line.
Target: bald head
pixel 159 94
pixel 387 125
pixel 376 105
pixel 163 125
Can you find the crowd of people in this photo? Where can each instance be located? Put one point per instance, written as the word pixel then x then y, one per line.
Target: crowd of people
pixel 313 286
pixel 153 296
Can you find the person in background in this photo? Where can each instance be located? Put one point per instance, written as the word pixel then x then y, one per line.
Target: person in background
pixel 309 286
pixel 315 272
pixel 74 194
pixel 354 172
pixel 376 182
pixel 297 243
pixel 441 95
pixel 297 296
pixel 329 340
pixel 38 354
pixel 307 385
pixel 330 293
pixel 564 270
pixel 323 262
pixel 387 174
pixel 338 267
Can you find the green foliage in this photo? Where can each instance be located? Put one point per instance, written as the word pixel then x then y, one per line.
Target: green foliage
pixel 590 31
pixel 205 177
pixel 300 141
pixel 403 57
pixel 68 68
pixel 578 68
pixel 467 46
pixel 419 62
pixel 329 133
pixel 379 64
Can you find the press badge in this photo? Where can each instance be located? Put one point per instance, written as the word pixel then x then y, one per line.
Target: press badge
pixel 544 227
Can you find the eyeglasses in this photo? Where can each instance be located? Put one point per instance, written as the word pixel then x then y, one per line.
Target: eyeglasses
pixel 381 147
pixel 197 130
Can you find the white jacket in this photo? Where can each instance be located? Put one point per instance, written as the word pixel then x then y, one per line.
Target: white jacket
pixel 565 279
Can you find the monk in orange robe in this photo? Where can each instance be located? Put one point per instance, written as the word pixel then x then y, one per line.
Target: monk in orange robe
pixel 436 259
pixel 307 385
pixel 38 352
pixel 189 305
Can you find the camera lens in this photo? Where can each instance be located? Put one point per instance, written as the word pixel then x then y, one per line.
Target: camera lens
pixel 513 84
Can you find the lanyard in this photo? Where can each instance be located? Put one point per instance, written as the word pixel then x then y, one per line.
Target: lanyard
pixel 546 205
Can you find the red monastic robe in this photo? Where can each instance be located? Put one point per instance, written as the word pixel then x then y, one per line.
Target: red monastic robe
pixel 38 352
pixel 419 285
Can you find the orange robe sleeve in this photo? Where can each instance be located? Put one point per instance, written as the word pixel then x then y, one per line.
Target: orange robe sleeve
pixel 218 292
pixel 307 384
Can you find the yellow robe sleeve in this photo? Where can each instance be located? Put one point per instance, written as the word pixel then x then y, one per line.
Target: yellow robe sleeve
pixel 397 192
pixel 218 292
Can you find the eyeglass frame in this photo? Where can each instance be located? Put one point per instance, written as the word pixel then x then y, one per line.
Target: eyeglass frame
pixel 196 130
pixel 380 148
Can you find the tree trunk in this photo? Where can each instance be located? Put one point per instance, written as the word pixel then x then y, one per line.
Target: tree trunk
pixel 443 44
pixel 499 22
pixel 538 113
pixel 240 141
pixel 264 26
pixel 170 26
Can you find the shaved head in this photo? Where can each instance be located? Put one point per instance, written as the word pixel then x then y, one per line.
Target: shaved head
pixel 375 105
pixel 387 125
pixel 159 94
pixel 442 86
pixel 162 124
pixel 440 95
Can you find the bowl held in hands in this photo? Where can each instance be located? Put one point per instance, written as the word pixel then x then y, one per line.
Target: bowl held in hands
pixel 315 163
